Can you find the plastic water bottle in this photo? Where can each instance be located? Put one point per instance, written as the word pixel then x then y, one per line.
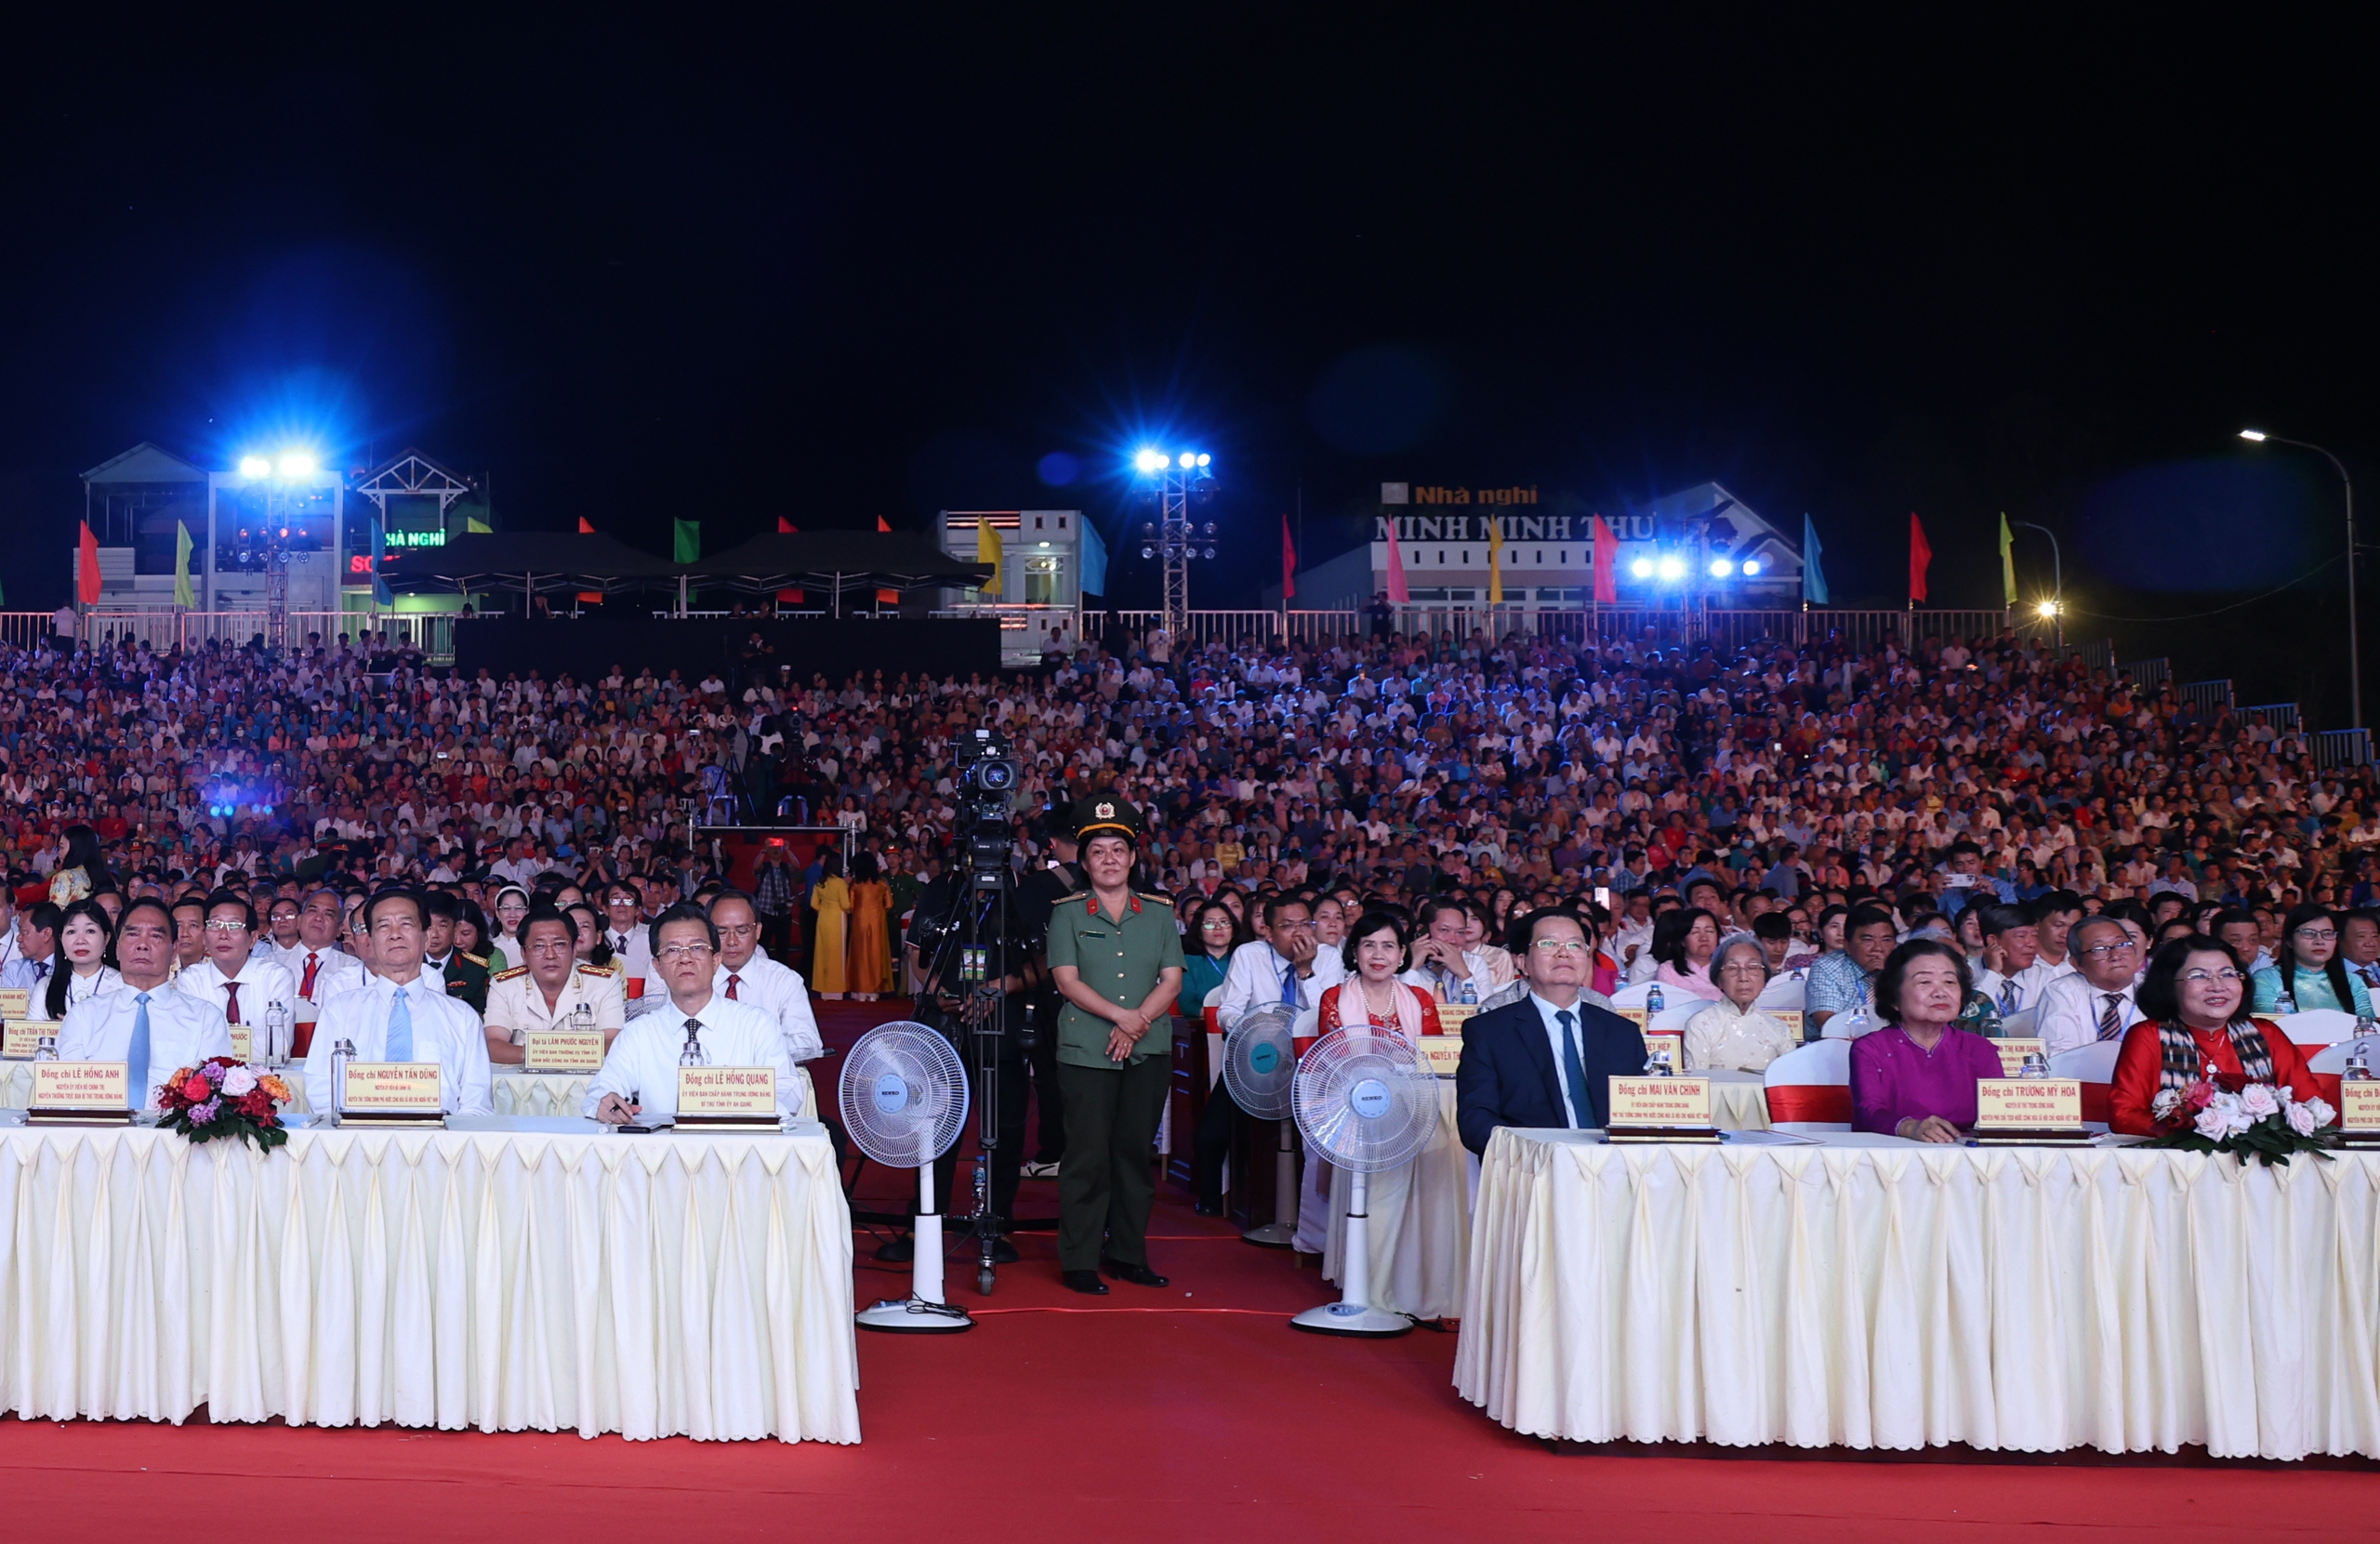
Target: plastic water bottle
pixel 1653 998
pixel 2358 1069
pixel 45 1049
pixel 341 1053
pixel 1469 994
pixel 1656 1064
pixel 2036 1065
pixel 2286 1002
pixel 276 1034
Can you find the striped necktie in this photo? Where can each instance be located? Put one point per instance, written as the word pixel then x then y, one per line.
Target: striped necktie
pixel 2112 1017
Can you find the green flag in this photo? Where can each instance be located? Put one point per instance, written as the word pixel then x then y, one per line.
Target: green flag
pixel 688 547
pixel 2007 561
pixel 474 526
pixel 184 595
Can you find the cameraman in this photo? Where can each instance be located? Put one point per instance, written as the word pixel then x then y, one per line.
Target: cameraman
pixel 963 1012
pixel 1038 895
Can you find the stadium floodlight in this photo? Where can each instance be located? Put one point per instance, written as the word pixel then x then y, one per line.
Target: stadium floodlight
pixel 1151 461
pixel 2255 435
pixel 1673 568
pixel 2047 608
pixel 1204 458
pixel 1187 459
pixel 255 467
pixel 296 463
pixel 1752 567
pixel 1642 568
pixel 1722 569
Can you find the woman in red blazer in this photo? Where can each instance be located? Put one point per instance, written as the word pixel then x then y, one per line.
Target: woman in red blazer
pixel 2196 1027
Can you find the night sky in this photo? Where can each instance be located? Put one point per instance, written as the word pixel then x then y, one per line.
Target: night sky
pixel 971 259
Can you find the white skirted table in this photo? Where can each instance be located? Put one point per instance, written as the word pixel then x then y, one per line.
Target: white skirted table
pixel 1420 1215
pixel 510 1090
pixel 1868 1292
pixel 509 1275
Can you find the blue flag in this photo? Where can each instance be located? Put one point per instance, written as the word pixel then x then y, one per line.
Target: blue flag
pixel 1094 561
pixel 380 595
pixel 1813 576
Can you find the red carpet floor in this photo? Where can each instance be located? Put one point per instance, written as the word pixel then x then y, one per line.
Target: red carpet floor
pixel 1186 1413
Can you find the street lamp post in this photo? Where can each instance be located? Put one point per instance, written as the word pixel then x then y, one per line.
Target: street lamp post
pixel 2354 649
pixel 2056 581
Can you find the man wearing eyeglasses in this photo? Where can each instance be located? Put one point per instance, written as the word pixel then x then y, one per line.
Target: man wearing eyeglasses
pixel 1547 1060
pixel 230 976
pixel 2096 1002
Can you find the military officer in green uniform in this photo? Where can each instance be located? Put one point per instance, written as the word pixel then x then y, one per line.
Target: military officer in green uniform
pixel 1117 956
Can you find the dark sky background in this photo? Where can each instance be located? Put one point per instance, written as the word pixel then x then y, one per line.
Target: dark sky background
pixel 635 271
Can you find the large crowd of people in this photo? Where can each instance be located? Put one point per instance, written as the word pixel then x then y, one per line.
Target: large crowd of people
pixel 1707 813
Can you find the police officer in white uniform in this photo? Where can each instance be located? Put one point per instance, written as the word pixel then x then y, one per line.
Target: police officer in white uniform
pixel 548 992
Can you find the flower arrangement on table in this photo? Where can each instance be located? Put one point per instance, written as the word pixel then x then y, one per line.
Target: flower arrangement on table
pixel 2248 1120
pixel 224 1097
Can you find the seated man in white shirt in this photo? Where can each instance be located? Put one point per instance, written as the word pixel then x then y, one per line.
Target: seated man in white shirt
pixel 2014 975
pixel 746 976
pixel 401 1015
pixel 698 1026
pixel 625 931
pixel 280 933
pixel 2096 1002
pixel 36 955
pixel 1441 966
pixel 230 976
pixel 320 966
pixel 153 1029
pixel 1292 969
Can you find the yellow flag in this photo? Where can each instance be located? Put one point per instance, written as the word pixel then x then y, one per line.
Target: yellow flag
pixel 2007 562
pixel 987 550
pixel 185 596
pixel 1495 562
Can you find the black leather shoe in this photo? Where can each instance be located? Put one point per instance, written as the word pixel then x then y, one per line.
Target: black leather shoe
pixel 1139 1275
pixel 1085 1281
pixel 1208 1208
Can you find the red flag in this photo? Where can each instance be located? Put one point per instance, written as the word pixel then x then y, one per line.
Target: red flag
pixel 1919 555
pixel 789 598
pixel 882 526
pixel 787 527
pixel 585 529
pixel 1398 590
pixel 86 567
pixel 1607 564
pixel 1289 564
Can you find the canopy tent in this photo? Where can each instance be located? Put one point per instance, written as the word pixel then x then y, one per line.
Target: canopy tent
pixel 529 563
pixel 836 563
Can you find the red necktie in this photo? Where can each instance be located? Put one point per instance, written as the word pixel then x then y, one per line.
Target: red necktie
pixel 731 980
pixel 231 1005
pixel 314 963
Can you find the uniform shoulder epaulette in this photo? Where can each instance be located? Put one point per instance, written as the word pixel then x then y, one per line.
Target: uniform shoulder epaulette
pixel 480 961
pixel 1075 895
pixel 585 969
pixel 507 975
pixel 1152 895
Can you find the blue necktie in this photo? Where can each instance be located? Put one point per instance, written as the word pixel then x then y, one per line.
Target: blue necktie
pixel 136 1055
pixel 399 1046
pixel 1582 1110
pixel 1289 984
pixel 2008 997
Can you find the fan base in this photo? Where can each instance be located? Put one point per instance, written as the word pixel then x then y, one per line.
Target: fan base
pixel 1352 1319
pixel 914 1316
pixel 1272 1236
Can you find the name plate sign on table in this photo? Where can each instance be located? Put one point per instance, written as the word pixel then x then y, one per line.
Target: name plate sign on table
pixel 2360 1110
pixel 2014 1051
pixel 573 1051
pixel 79 1091
pixel 2029 1110
pixel 729 1098
pixel 393 1093
pixel 1452 1016
pixel 16 1002
pixel 244 1043
pixel 20 1038
pixel 1442 1054
pixel 1661 1109
pixel 1637 1016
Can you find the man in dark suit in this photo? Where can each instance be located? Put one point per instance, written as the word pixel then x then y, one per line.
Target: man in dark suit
pixel 1545 1061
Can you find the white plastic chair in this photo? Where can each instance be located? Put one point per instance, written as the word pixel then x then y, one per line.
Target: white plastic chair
pixel 2332 1059
pixel 1633 997
pixel 1823 1063
pixel 1850 1023
pixel 2318 1026
pixel 1671 1019
pixel 2093 1063
pixel 1783 992
pixel 2019 1026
